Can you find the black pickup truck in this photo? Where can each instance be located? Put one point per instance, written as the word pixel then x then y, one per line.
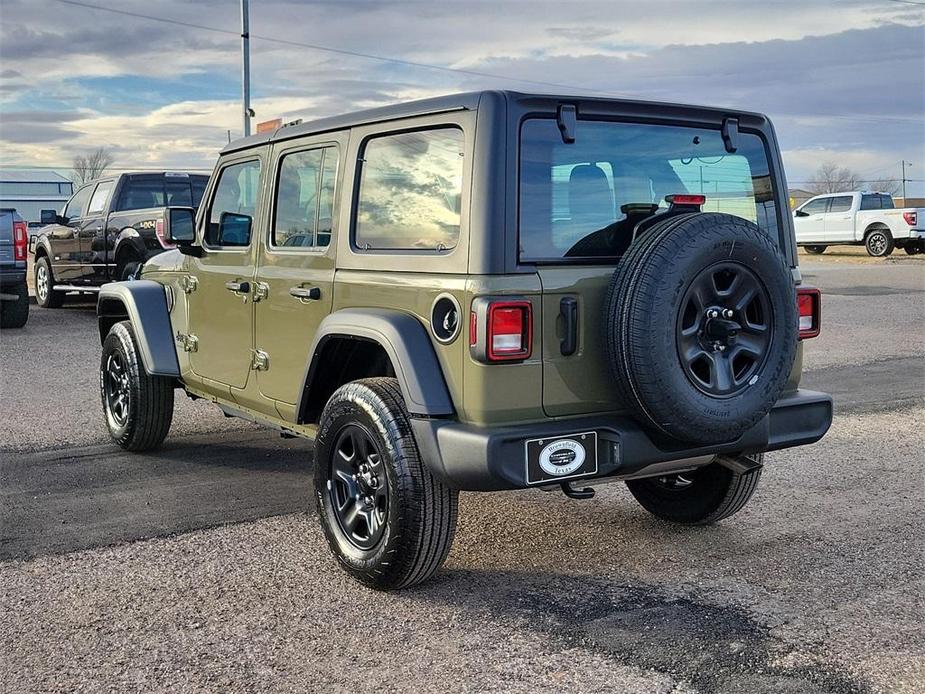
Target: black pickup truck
pixel 14 295
pixel 107 230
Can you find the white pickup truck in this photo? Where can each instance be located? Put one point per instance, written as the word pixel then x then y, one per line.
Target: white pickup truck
pixel 866 218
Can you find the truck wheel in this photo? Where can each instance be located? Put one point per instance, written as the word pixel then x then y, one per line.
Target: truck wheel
pixel 879 242
pixel 913 248
pixel 387 520
pixel 701 327
pixel 15 313
pixel 137 407
pixel 815 250
pixel 700 497
pixel 45 295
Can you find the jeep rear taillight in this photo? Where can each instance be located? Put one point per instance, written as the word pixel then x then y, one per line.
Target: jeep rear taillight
pixel 501 330
pixel 910 217
pixel 809 309
pixel 20 240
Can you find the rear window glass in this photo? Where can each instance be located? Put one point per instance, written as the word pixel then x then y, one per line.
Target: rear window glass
pixel 100 196
pixel 410 191
pixel 582 200
pixel 143 192
pixel 305 199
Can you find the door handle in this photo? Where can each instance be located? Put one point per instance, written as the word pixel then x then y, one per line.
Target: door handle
pixel 305 293
pixel 238 287
pixel 568 309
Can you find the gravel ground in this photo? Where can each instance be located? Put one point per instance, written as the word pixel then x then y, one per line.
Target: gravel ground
pixel 40 408
pixel 815 587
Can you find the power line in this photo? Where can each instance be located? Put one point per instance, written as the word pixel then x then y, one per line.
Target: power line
pixel 337 51
pixel 908 2
pixel 430 66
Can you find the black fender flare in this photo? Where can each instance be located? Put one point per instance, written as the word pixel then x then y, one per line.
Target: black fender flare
pixel 407 344
pixel 144 303
pixel 128 240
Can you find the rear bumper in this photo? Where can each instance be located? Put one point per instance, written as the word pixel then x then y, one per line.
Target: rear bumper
pixel 476 458
pixel 12 276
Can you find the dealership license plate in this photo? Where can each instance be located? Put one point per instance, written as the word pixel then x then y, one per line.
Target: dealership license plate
pixel 561 457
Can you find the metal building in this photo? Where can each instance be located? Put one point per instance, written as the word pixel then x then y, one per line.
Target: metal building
pixel 32 190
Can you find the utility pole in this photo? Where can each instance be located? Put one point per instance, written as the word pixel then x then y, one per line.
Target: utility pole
pixel 246 68
pixel 904 182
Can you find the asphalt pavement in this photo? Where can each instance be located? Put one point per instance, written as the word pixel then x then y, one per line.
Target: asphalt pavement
pixel 201 567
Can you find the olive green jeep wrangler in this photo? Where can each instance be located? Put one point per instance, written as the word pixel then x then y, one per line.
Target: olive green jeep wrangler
pixel 483 292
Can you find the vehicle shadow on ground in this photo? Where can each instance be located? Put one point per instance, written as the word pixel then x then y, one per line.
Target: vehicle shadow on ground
pixel 720 649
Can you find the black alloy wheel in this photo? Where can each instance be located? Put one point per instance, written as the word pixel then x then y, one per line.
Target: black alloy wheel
pixel 116 389
pixel 358 488
pixel 725 328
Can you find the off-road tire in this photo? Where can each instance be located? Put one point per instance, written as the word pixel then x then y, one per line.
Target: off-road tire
pixel 642 315
pixel 149 409
pixel 714 492
pixel 420 517
pixel 45 295
pixel 879 242
pixel 14 314
pixel 815 249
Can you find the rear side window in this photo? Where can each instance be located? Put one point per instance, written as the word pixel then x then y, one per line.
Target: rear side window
pixel 198 185
pixel 75 208
pixel 816 206
pixel 234 203
pixel 100 196
pixel 583 199
pixel 410 191
pixel 886 202
pixel 142 192
pixel 840 203
pixel 304 208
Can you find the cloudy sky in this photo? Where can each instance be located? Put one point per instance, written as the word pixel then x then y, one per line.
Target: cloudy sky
pixel 843 80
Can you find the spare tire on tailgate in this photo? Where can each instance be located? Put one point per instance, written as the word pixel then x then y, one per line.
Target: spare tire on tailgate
pixel 701 326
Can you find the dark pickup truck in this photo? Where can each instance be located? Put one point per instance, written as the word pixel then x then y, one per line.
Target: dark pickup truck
pixel 107 230
pixel 14 294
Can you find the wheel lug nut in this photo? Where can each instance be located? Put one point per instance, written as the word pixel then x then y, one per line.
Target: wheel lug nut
pixel 712 313
pixel 727 313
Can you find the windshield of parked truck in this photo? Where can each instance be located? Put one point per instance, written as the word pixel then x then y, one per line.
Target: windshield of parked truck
pixel 582 200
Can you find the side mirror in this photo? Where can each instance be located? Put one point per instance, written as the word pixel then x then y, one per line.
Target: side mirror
pixel 49 217
pixel 181 229
pixel 800 213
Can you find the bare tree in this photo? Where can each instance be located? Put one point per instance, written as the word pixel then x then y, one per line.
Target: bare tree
pixel 92 165
pixel 887 185
pixel 831 178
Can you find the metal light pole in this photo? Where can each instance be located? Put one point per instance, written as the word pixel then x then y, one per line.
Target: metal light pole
pixel 904 182
pixel 246 68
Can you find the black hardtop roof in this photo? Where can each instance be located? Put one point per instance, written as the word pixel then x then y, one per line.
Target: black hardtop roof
pixel 439 104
